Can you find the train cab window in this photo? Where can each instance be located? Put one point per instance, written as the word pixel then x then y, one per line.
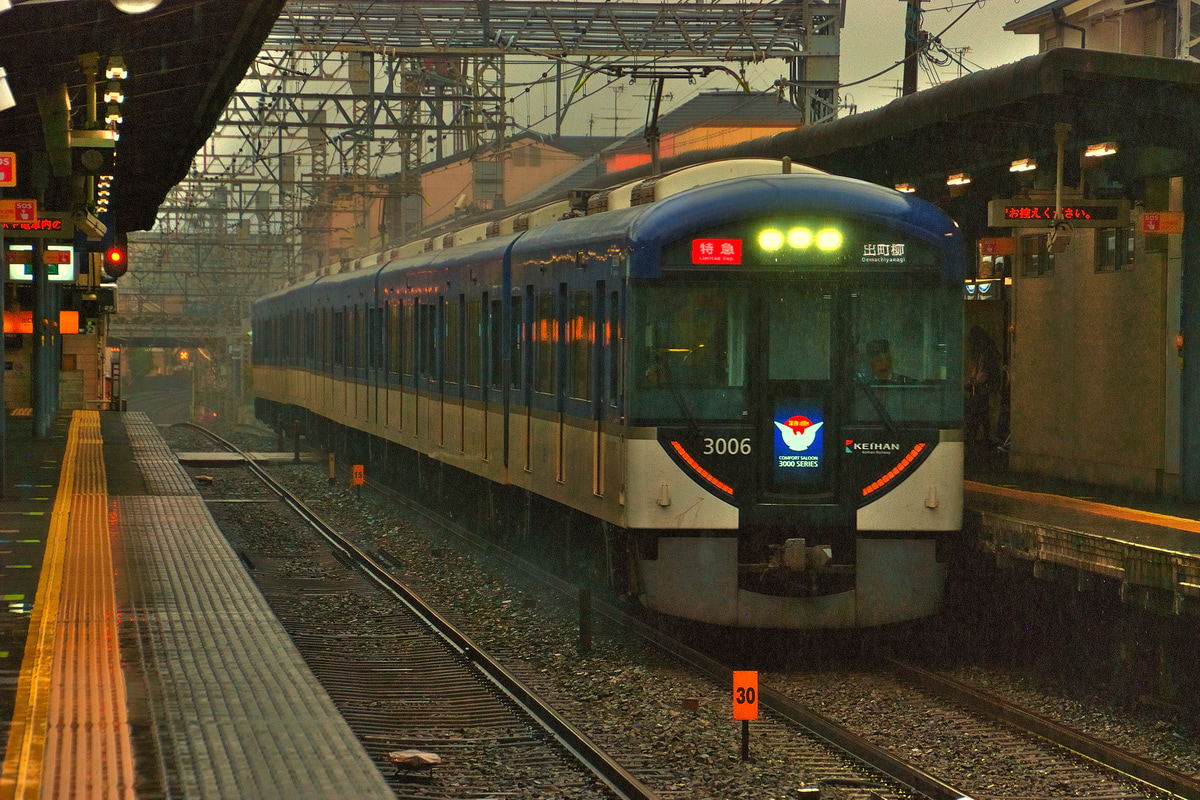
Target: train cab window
pixel 580 335
pixel 690 352
pixel 799 344
pixel 906 365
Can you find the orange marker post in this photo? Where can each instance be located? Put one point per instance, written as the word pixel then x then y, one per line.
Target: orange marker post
pixel 356 477
pixel 745 704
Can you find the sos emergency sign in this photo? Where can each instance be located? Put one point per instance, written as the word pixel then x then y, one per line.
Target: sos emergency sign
pixel 8 169
pixel 745 695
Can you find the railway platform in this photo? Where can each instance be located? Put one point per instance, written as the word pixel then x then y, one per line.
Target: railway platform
pixel 1148 546
pixel 138 658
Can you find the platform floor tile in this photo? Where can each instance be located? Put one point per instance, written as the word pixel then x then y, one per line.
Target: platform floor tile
pixel 238 713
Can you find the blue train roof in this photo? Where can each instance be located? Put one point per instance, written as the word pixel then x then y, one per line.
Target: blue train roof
pixel 646 229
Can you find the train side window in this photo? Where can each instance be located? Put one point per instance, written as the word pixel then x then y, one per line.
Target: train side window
pixel 517 340
pixel 545 334
pixel 580 336
pixel 612 340
pixel 339 338
pixel 453 322
pixel 393 338
pixel 407 330
pixel 427 313
pixel 381 337
pixel 495 345
pixel 474 342
pixel 371 352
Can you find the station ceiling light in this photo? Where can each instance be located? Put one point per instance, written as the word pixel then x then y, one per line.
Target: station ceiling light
pixel 907 188
pixel 1100 150
pixel 958 179
pixel 115 71
pixel 1023 165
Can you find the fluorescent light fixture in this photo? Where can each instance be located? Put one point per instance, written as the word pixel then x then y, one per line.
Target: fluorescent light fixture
pixel 5 5
pixel 907 188
pixel 1023 165
pixel 114 93
pixel 958 179
pixel 113 115
pixel 1100 150
pixel 7 100
pixel 136 6
pixel 116 69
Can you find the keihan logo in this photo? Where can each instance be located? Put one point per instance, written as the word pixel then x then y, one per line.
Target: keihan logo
pixel 798 433
pixel 871 447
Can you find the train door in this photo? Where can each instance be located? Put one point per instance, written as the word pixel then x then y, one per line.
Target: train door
pixel 797 402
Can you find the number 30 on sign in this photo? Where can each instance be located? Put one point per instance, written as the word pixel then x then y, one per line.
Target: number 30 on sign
pixel 745 695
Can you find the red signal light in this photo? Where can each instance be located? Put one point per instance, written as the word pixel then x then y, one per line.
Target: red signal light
pixel 115 261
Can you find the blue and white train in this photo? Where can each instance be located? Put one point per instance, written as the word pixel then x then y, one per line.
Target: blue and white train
pixel 738 386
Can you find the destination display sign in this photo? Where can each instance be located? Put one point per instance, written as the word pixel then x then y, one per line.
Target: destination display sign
pixel 1082 214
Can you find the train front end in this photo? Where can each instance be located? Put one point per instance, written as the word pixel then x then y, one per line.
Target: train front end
pixel 794 403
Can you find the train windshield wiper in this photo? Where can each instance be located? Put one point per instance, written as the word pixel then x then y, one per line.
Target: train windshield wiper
pixel 668 379
pixel 872 395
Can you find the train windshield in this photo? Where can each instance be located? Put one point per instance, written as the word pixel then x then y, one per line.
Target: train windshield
pixel 690 353
pixel 906 359
pixel 884 351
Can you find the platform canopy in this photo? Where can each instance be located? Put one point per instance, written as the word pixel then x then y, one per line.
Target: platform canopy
pixel 982 122
pixel 184 59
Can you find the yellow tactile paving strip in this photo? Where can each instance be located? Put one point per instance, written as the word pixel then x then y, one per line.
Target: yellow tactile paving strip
pixel 1091 507
pixel 70 735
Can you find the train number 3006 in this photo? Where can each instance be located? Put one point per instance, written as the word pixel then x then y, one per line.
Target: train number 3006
pixel 727 447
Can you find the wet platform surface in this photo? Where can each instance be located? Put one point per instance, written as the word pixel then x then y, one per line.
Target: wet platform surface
pixel 148 663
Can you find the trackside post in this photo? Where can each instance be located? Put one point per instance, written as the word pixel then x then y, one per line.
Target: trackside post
pixel 745 704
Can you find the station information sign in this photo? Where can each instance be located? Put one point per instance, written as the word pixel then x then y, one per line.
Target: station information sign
pixel 46 226
pixel 18 211
pixel 1162 222
pixel 8 169
pixel 1035 213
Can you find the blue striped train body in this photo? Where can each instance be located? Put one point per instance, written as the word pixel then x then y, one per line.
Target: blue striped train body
pixel 698 369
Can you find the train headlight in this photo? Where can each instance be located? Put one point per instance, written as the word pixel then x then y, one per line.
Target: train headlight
pixel 770 239
pixel 829 239
pixel 799 237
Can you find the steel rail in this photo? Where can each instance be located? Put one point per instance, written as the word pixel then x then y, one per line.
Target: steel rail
pixel 834 735
pixel 574 740
pixel 1136 768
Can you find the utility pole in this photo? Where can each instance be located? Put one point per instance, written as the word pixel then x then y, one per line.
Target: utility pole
pixel 912 45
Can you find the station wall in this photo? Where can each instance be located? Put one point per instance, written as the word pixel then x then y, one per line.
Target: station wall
pixel 1095 377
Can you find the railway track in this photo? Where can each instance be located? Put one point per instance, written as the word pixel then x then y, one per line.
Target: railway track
pixel 448 684
pixel 839 753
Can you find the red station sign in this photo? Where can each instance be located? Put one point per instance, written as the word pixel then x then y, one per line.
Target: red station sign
pixel 8 169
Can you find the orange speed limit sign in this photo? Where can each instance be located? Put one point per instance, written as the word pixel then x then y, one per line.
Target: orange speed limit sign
pixel 745 695
pixel 356 475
